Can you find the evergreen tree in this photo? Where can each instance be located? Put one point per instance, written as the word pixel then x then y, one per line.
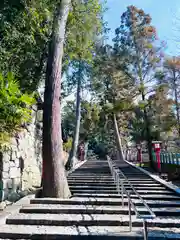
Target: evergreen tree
pixel 54 180
pixel 170 75
pixel 135 40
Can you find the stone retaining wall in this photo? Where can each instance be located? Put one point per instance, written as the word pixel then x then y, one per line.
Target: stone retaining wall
pixel 20 164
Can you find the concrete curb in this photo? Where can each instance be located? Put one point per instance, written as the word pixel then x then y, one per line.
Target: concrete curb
pixel 157 178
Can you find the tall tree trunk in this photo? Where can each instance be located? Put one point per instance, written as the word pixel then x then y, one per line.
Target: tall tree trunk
pixel 73 151
pixel 176 103
pixel 146 119
pixel 54 177
pixel 177 111
pixel 148 133
pixel 118 138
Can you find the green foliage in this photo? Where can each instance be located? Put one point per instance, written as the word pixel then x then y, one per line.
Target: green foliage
pixel 24 32
pixel 68 118
pixel 83 27
pixel 137 126
pixel 160 115
pixel 170 76
pixel 84 24
pixel 89 119
pixel 68 145
pixel 14 107
pixel 102 140
pixel 113 88
pixel 116 74
pixel 136 41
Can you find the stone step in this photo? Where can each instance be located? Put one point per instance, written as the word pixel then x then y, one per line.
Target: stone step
pixel 135 180
pixel 133 171
pixel 103 201
pixel 97 171
pixel 84 176
pixel 91 181
pixel 111 178
pixel 105 187
pixel 73 191
pixel 104 171
pixel 135 183
pixel 109 191
pixel 135 174
pixel 75 209
pixel 85 233
pixel 83 179
pixel 90 209
pixel 91 173
pixel 87 220
pixel 96 184
pixel 101 184
pixel 93 164
pixel 144 196
pixel 93 168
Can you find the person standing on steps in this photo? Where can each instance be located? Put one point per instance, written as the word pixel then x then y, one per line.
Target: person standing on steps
pixel 81 151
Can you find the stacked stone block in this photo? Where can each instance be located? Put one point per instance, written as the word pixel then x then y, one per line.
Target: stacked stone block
pixel 20 163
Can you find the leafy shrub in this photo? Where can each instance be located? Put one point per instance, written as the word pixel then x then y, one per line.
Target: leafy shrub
pixel 14 107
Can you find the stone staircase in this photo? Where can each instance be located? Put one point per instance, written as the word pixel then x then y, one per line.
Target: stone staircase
pixel 95 210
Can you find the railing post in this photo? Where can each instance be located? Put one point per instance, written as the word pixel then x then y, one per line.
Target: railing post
pixel 113 173
pixel 122 192
pixel 145 232
pixel 114 176
pixel 130 216
pixel 117 183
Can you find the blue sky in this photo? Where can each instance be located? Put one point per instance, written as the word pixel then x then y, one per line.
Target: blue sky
pixel 164 15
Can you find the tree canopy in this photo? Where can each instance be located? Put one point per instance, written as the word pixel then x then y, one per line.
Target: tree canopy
pixel 132 85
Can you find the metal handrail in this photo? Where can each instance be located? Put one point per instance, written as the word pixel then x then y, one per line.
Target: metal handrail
pixel 115 173
pixel 152 214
